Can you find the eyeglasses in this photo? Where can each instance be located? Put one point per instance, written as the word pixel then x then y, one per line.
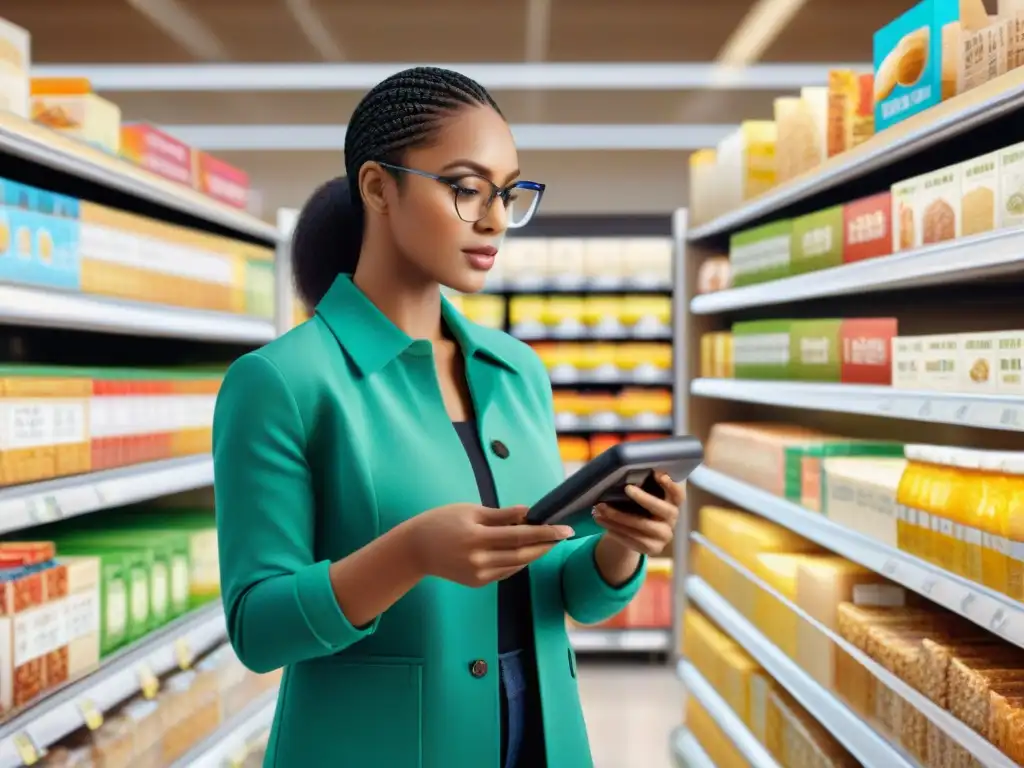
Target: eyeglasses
pixel 475 194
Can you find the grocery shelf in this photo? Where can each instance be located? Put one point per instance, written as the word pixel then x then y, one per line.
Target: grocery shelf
pixel 985 607
pixel 987 255
pixel 21 305
pixel 232 742
pixel 860 739
pixel 987 754
pixel 630 336
pixel 119 677
pixel 620 640
pixel 23 506
pixel 730 723
pixel 581 286
pixel 953 117
pixel 1003 412
pixel 687 752
pixel 629 380
pixel 573 424
pixel 40 145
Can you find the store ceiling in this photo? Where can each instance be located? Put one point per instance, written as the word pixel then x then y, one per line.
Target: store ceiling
pixel 124 31
pixel 91 32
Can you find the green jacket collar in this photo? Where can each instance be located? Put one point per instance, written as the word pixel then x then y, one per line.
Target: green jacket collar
pixel 373 341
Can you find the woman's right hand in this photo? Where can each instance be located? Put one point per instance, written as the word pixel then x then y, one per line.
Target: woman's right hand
pixel 475 545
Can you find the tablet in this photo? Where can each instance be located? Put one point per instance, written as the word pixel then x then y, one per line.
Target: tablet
pixel 604 479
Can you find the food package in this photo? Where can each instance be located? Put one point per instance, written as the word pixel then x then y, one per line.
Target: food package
pixel 15 62
pixel 851 110
pixel 69 106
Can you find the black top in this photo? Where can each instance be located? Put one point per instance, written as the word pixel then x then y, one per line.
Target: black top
pixel 515 620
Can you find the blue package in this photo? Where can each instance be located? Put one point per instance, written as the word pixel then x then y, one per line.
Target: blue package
pixel 908 62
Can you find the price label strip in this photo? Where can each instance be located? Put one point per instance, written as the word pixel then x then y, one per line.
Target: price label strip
pixel 92 716
pixel 27 750
pixel 183 653
pixel 148 681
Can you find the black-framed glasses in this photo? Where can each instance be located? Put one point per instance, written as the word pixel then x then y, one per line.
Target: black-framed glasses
pixel 474 195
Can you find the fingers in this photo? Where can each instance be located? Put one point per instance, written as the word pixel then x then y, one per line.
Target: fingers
pixel 504 515
pixel 489 559
pixel 635 524
pixel 519 536
pixel 642 545
pixel 660 509
pixel 674 492
pixel 640 534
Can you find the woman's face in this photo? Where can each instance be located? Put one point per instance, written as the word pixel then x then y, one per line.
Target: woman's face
pixel 472 142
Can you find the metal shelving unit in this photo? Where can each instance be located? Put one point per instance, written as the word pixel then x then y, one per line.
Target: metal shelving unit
pixel 1002 412
pixel 986 608
pixel 687 751
pixel 232 743
pixel 119 677
pixel 862 741
pixel 620 640
pixel 48 149
pixel 926 289
pixel 719 709
pixel 22 506
pixel 914 136
pixel 44 158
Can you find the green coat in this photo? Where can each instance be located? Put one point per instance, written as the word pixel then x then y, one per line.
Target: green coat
pixel 328 437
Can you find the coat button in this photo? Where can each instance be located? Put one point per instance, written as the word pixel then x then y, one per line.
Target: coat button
pixel 478 668
pixel 499 449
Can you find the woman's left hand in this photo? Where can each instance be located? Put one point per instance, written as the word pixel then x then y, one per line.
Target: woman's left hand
pixel 645 535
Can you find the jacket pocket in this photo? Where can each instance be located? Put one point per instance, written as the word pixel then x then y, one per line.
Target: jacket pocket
pixel 353 713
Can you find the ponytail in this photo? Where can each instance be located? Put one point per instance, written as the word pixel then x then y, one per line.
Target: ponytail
pixel 327 239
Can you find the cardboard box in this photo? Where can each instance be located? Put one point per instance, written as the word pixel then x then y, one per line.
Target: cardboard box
pixel 762 349
pixel 761 254
pixel 940 367
pixel 817 241
pixel 915 61
pixel 815 350
pixel 979 363
pixel 867 350
pixel 15 63
pixel 851 110
pixel 29 627
pixel 69 106
pixel 1010 166
pixel 905 218
pixel 1010 375
pixel 157 152
pixel 220 180
pixel 868 228
pixel 908 362
pixel 979 199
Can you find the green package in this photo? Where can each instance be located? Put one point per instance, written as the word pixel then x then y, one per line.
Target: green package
pixel 815 351
pixel 138 564
pixel 804 478
pixel 761 254
pixel 761 349
pixel 199 530
pixel 817 241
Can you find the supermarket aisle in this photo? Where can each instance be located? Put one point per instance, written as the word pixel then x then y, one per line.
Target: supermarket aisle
pixel 630 709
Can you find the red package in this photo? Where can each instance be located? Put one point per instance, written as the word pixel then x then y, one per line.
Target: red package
pixel 158 152
pixel 867 350
pixel 221 181
pixel 867 227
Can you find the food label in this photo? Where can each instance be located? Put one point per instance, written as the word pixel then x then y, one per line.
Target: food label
pixel 909 71
pixel 815 350
pixel 82 617
pixel 818 240
pixel 866 350
pixel 868 228
pixel 760 254
pixel 978 201
pixel 1010 371
pixel 979 360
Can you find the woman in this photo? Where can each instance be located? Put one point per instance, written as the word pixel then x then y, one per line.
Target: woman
pixel 362 458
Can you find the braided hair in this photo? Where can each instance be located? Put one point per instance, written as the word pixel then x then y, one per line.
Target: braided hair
pixel 401 112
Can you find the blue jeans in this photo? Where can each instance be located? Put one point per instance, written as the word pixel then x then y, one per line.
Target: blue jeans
pixel 514 700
